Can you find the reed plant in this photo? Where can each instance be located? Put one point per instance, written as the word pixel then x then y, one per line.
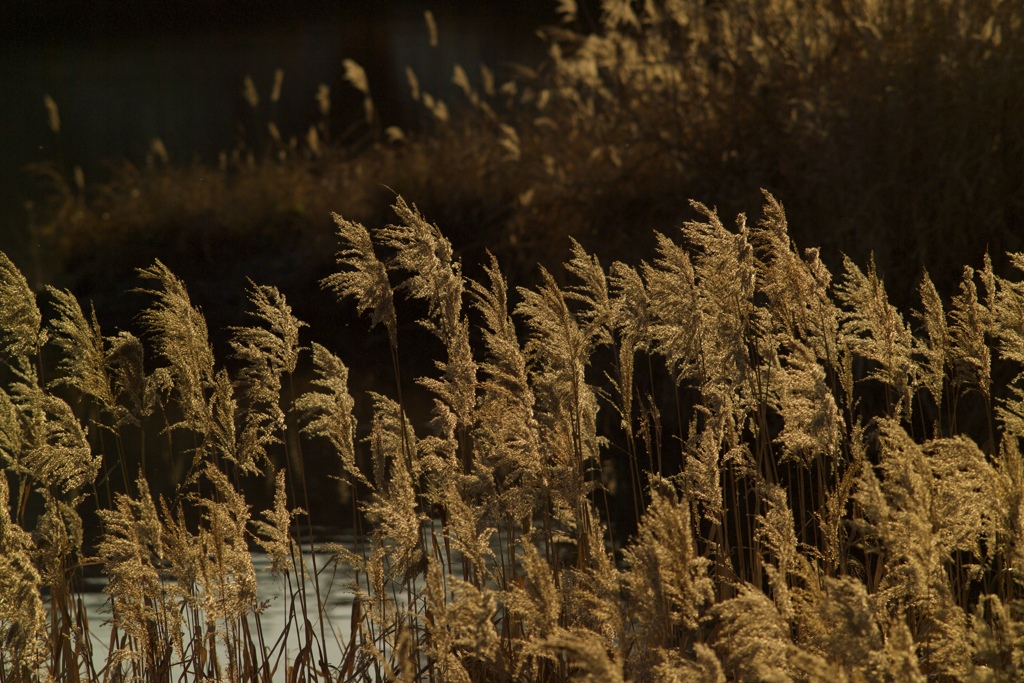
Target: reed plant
pixel 721 465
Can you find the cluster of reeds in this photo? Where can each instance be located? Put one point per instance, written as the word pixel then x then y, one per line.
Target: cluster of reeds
pixel 719 465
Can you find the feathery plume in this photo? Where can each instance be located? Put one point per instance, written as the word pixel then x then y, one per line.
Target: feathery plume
pixel 848 630
pixel 356 76
pixel 775 530
pixel 507 437
pixel 393 448
pixel 366 280
pixel 328 413
pixel 812 423
pixel 667 580
pixel 228 576
pixel 83 365
pixel 460 632
pixel 631 319
pixel 131 549
pixel 677 316
pixel 559 350
pixel 725 273
pixel 796 288
pixel 10 433
pixel 968 352
pixel 266 351
pixel 1008 328
pixel 538 603
pixel 875 330
pixel 22 614
pixel 754 637
pixel 274 535
pixel 706 669
pixel 592 292
pixel 128 380
pixel 180 336
pixel 222 437
pixel 935 348
pixel 997 639
pixel 20 319
pixel 55 452
pixel 277 345
pixel 631 313
pixel 1009 492
pixel 903 511
pixel 432 272
pixel 428 17
pixel 52 113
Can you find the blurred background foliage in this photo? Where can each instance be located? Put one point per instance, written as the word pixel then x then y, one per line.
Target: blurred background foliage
pixel 892 127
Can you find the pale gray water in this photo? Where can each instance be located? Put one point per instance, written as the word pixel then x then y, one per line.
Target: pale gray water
pixel 336 595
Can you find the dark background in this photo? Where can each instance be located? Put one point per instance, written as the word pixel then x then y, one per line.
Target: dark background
pixel 124 73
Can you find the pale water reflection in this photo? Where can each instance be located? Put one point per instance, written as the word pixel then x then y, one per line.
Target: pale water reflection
pixel 336 594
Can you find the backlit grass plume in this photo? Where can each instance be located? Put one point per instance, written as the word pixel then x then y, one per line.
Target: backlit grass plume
pixel 22 614
pixel 268 352
pixel 875 330
pixel 20 319
pixel 329 410
pixel 366 280
pixel 83 364
pixel 181 340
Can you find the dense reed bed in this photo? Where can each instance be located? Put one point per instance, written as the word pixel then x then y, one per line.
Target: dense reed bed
pixel 721 465
pixel 720 459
